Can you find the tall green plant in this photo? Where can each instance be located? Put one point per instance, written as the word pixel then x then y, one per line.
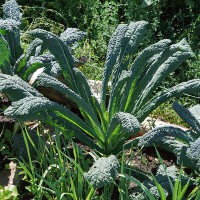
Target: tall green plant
pixel 100 126
pixel 15 60
pixel 10 36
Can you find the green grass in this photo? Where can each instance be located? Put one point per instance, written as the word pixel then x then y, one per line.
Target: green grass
pixel 57 172
pixel 93 68
pixel 166 112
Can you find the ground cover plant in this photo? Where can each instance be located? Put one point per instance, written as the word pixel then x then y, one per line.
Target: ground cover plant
pixel 105 124
pixel 167 19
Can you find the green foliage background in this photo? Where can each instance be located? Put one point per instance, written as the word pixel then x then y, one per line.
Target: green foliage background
pixel 167 18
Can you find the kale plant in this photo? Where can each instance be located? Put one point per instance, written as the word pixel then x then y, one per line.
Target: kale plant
pixel 101 126
pixel 10 47
pixel 166 178
pixel 184 144
pixel 15 60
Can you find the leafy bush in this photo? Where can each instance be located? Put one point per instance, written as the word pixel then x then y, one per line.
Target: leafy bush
pixel 167 19
pixel 9 29
pixel 135 82
pixel 13 59
pixel 103 126
pixel 184 144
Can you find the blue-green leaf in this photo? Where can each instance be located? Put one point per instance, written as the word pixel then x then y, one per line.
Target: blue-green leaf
pixel 10 31
pixel 190 116
pixel 5 66
pixel 15 88
pixel 61 52
pixel 103 171
pixel 189 87
pixel 11 11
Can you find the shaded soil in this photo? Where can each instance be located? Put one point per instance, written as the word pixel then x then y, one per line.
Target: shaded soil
pixel 6 123
pixel 147 160
pixel 3 161
pixel 4 101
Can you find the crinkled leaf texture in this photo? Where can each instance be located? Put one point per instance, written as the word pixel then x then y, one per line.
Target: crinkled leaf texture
pixel 4 56
pixel 122 126
pixel 9 27
pixel 109 126
pixel 30 108
pixel 69 38
pixel 189 87
pixel 190 157
pixel 11 11
pixel 34 48
pixel 191 116
pixel 148 70
pixel 167 137
pixel 10 31
pixel 124 41
pixel 163 176
pixel 158 67
pixel 127 122
pixel 194 151
pixel 138 194
pixel 183 144
pixel 103 171
pixel 61 53
pixel 15 88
